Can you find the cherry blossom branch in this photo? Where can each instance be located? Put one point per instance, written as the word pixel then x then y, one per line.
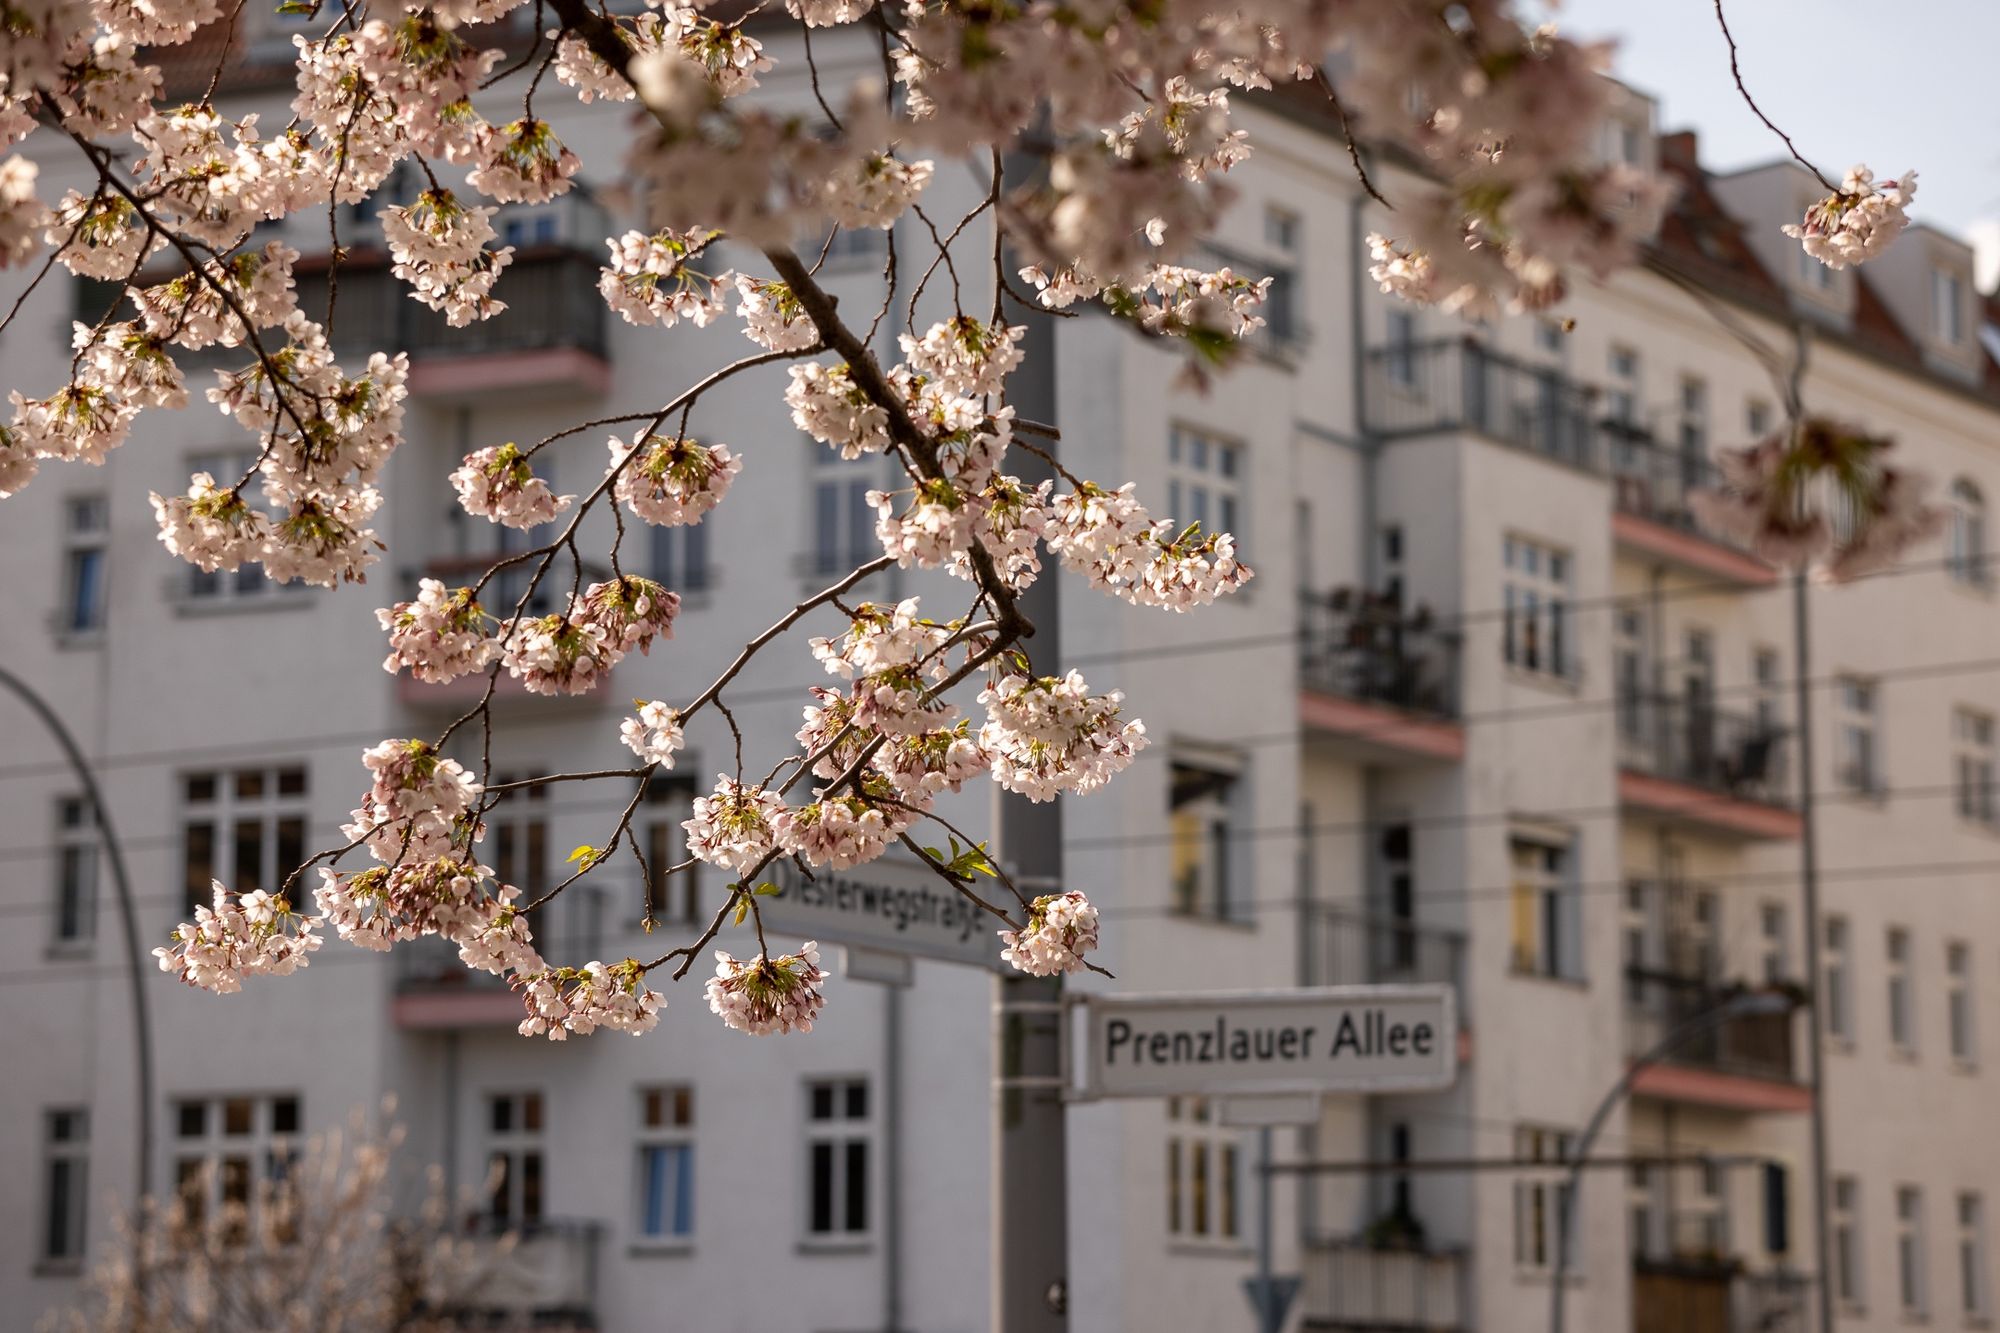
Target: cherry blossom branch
pixel 1736 72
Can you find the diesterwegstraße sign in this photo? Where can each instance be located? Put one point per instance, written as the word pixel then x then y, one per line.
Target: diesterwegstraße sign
pixel 892 905
pixel 1249 1043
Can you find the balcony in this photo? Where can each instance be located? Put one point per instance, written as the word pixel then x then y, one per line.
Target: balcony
pixel 540 1274
pixel 1686 761
pixel 1650 487
pixel 1692 1295
pixel 1350 1286
pixel 1378 682
pixel 1743 1064
pixel 1344 947
pixel 500 596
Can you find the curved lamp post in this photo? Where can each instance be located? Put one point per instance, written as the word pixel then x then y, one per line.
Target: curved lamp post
pixel 141 1020
pixel 1751 1004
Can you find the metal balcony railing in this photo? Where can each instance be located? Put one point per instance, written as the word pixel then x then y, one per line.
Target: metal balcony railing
pixel 1753 1046
pixel 534 1272
pixel 1693 742
pixel 1360 647
pixel 1459 384
pixel 1352 1286
pixel 1348 947
pixel 1654 481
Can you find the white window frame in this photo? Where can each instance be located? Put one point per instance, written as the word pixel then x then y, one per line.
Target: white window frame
pixel 1961 1013
pixel 1399 349
pixel 1948 306
pixel 1912 1281
pixel 1975 1278
pixel 1850 1267
pixel 1625 400
pixel 1204 1175
pixel 667 1122
pixel 522 1140
pixel 1549 893
pixel 1536 633
pixel 1205 803
pixel 1756 418
pixel 680 556
pixel 86 546
pixel 669 803
pixel 73 923
pixel 1966 558
pixel 266 1151
pixel 1537 1196
pixel 271 809
pixel 839 1131
pixel 840 523
pixel 1775 931
pixel 1900 989
pixel 63 1225
pixel 517 841
pixel 1975 767
pixel 1838 964
pixel 1207 480
pixel 1859 745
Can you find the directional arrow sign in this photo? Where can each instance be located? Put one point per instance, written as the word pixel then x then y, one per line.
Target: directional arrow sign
pixel 1271 1298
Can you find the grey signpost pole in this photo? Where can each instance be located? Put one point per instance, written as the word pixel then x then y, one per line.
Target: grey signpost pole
pixel 1030 1162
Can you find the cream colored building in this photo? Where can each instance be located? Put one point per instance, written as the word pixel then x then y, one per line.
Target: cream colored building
pixel 1541 748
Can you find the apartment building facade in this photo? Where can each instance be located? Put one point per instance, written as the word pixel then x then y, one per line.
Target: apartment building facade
pixel 1495 713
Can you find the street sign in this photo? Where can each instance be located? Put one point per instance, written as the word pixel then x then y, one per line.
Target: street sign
pixel 1271 1298
pixel 893 905
pixel 1246 1043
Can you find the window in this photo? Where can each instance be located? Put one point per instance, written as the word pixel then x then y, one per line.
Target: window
pixel 245 827
pixel 65 1183
pixel 680 556
pixel 1839 1002
pixel 1757 418
pixel 1544 926
pixel 1767 704
pixel 1399 360
pixel 1975 1295
pixel 666 1163
pixel 1642 1200
pixel 1281 229
pixel 1947 306
pixel 1694 421
pixel 669 802
pixel 514 1173
pixel 1536 1195
pixel 1204 1172
pixel 1813 275
pixel 1958 1002
pixel 839 1133
pixel 86 532
pixel 1205 482
pixel 1535 635
pixel 843 522
pixel 234 1155
pixel 1629 673
pixel 1910 1249
pixel 523 228
pixel 1902 1007
pixel 1623 395
pixel 1847 1253
pixel 1548 337
pixel 1974 762
pixel 1703 1225
pixel 1201 812
pixel 517 836
pixel 1965 536
pixel 76 871
pixel 248 580
pixel 1776 942
pixel 1860 769
pixel 1283 233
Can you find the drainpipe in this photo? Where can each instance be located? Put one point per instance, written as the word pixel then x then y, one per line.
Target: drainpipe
pixel 892 1161
pixel 1371 553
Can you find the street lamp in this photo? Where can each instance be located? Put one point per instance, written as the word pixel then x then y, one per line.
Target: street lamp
pixel 1749 1004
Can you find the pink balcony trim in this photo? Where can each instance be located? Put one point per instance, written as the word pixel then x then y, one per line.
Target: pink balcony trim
pixel 438 1010
pixel 1729 814
pixel 497 371
pixel 1708 1087
pixel 1692 552
pixel 1374 724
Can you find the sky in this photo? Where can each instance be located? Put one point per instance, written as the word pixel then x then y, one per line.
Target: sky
pixel 1906 85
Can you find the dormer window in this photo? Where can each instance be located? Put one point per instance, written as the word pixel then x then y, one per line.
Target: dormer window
pixel 1816 276
pixel 1947 306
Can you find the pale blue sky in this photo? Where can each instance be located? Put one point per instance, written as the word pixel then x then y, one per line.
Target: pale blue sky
pixel 1898 84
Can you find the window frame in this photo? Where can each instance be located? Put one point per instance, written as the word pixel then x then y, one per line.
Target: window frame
pixel 1966 557
pixel 1205 797
pixel 1204 1175
pixel 1900 989
pixel 1537 578
pixel 1912 1279
pixel 1850 1268
pixel 669 801
pixel 1538 1197
pixel 1975 1273
pixel 675 1131
pixel 209 1152
pixel 1548 896
pixel 247 584
pixel 86 545
pixel 1193 482
pixel 65 1187
pixel 841 1132
pixel 844 485
pixel 507 1203
pixel 1858 741
pixel 1961 1007
pixel 78 861
pixel 1837 963
pixel 228 812
pixel 1948 305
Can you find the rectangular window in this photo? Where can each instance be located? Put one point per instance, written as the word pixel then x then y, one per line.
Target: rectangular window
pixel 65 1183
pixel 1757 418
pixel 1536 597
pixel 1694 422
pixel 840 1133
pixel 1623 396
pixel 1974 766
pixel 1205 482
pixel 1399 360
pixel 1201 815
pixel 515 1181
pixel 1975 1293
pixel 1642 1201
pixel 245 827
pixel 1839 1000
pixel 1858 755
pixel 1628 667
pixel 1536 1196
pixel 1771 918
pixel 1958 1002
pixel 1910 1250
pixel 669 803
pixel 680 556
pixel 227 467
pixel 666 1163
pixel 1902 1003
pixel 1947 306
pixel 517 835
pixel 76 871
pixel 843 522
pixel 86 538
pixel 1204 1173
pixel 1847 1252
pixel 233 1157
pixel 1545 935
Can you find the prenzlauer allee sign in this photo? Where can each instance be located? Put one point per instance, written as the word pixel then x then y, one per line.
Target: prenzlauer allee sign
pixel 1324 1039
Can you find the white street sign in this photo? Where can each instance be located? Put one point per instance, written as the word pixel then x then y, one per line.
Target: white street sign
pixel 894 905
pixel 1249 1043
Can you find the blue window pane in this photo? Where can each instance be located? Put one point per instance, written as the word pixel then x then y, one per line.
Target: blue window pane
pixel 87 590
pixel 667 1202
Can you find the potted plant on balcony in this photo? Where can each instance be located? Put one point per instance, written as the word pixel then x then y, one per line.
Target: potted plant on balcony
pixel 1397 1229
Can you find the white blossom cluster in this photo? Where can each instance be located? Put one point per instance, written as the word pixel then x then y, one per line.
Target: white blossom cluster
pixel 839 831
pixel 1109 538
pixel 438 637
pixel 498 483
pixel 733 827
pixel 827 405
pixel 569 652
pixel 651 279
pixel 655 734
pixel 417 804
pixel 673 481
pixel 764 995
pixel 232 938
pixel 439 248
pixel 1061 929
pixel 1856 222
pixel 772 316
pixel 565 1001
pixel 1050 735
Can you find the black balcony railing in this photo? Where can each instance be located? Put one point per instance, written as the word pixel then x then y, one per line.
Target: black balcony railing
pixel 1752 1046
pixel 1654 481
pixel 1367 647
pixel 1459 384
pixel 1345 946
pixel 1691 741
